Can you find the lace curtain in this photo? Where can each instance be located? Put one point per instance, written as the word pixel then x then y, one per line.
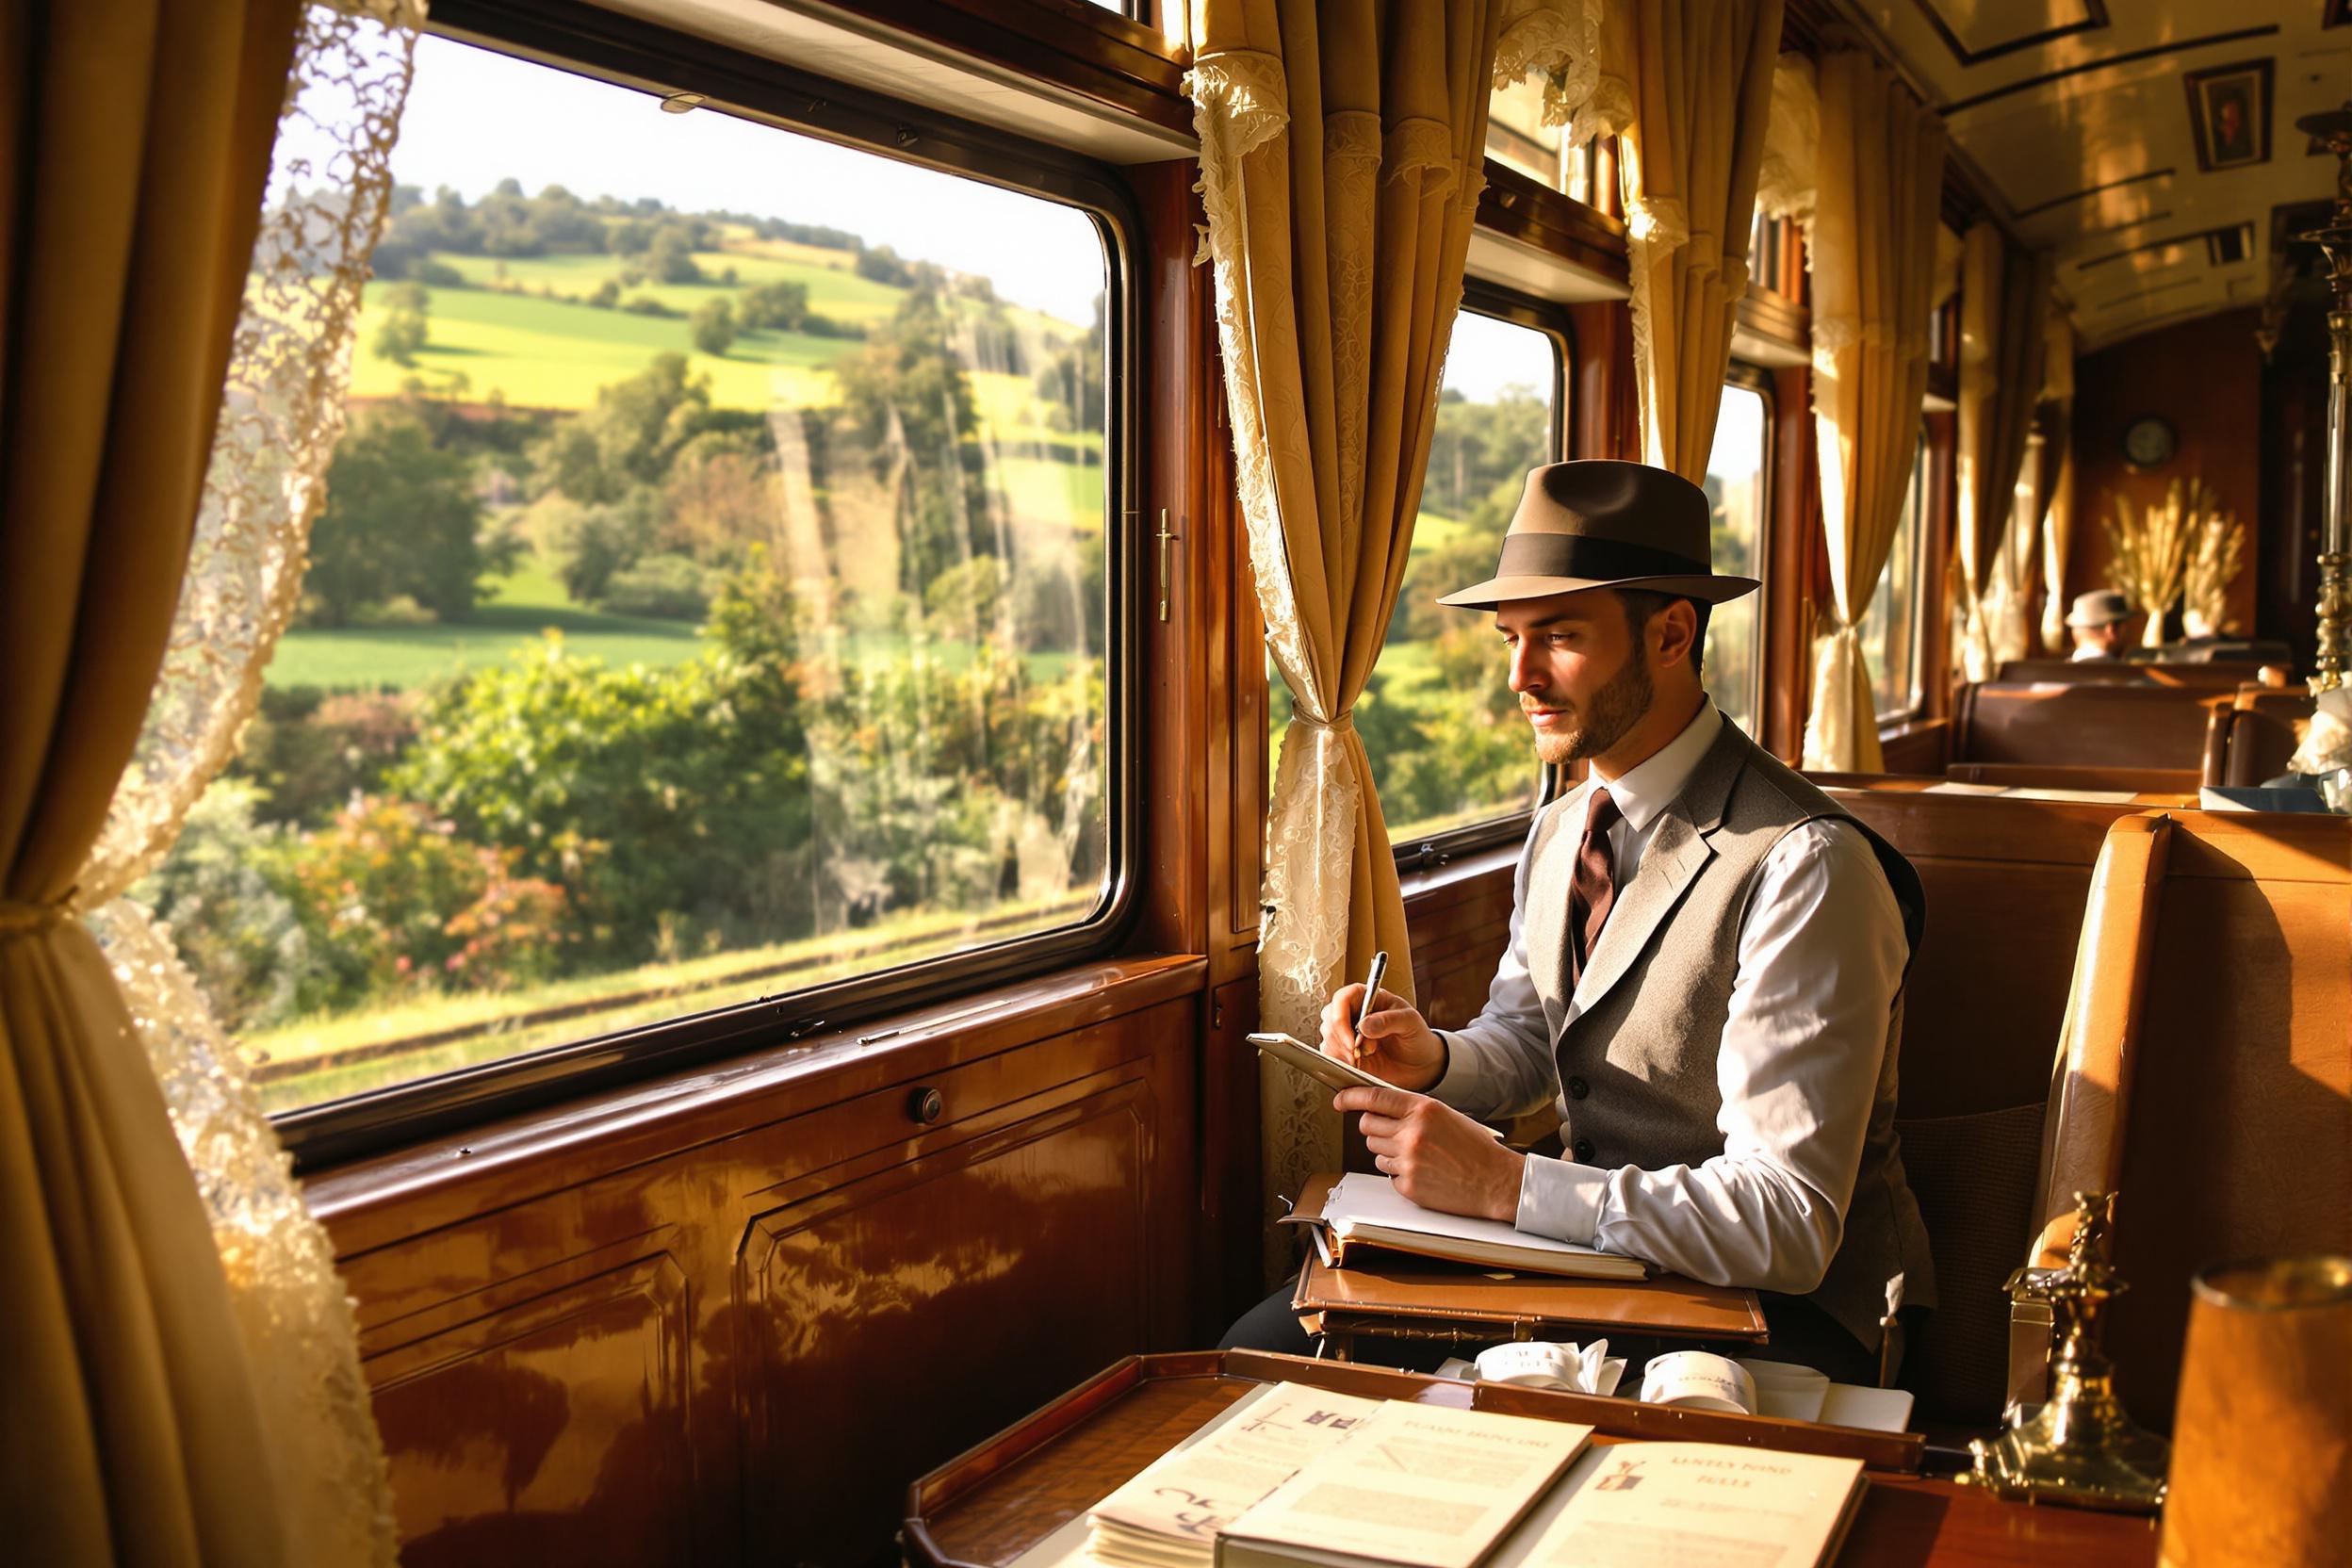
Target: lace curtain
pixel 280 414
pixel 1341 161
pixel 1874 264
pixel 1687 85
pixel 1788 179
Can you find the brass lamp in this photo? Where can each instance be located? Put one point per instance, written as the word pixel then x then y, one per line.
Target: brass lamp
pixel 2334 128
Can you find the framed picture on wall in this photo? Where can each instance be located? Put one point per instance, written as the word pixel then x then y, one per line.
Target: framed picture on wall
pixel 2229 114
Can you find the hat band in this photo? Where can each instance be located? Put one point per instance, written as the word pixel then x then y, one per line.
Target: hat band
pixel 1580 555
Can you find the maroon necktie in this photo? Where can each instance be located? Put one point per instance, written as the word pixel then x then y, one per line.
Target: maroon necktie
pixel 1594 888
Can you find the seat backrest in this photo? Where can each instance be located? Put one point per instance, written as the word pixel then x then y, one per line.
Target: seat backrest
pixel 2257 744
pixel 1983 1002
pixel 2068 671
pixel 2208 1075
pixel 2083 726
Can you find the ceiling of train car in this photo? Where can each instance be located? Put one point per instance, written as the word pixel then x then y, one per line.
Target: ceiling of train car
pixel 2152 143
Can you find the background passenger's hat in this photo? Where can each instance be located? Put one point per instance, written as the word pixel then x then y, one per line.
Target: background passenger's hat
pixel 1604 524
pixel 2102 607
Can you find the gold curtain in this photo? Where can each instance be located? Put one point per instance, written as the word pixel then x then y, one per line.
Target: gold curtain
pixel 1342 152
pixel 1787 179
pixel 2004 294
pixel 136 151
pixel 1873 259
pixel 1687 85
pixel 2058 463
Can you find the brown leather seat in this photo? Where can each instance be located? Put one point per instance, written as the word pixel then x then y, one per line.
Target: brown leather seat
pixel 2006 879
pixel 2208 1077
pixel 2083 726
pixel 2244 746
pixel 2220 676
pixel 2069 672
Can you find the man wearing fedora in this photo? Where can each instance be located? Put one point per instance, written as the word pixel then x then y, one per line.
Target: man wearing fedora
pixel 2098 620
pixel 1705 969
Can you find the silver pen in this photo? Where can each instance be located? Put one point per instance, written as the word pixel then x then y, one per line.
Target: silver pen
pixel 1371 989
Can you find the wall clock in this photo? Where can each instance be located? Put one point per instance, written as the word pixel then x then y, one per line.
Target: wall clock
pixel 2148 442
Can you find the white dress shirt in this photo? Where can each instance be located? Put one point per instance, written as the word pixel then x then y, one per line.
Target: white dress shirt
pixel 1821 958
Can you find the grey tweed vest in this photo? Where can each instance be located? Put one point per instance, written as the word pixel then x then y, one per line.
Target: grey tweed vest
pixel 1658 991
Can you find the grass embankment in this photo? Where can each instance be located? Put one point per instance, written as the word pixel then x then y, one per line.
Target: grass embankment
pixel 318 1059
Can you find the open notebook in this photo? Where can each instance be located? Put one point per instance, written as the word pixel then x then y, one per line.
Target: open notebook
pixel 1368 1211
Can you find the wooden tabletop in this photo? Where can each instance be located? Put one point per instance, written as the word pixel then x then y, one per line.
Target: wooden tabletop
pixel 986 1508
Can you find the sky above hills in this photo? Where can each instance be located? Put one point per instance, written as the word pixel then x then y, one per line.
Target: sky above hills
pixel 475 116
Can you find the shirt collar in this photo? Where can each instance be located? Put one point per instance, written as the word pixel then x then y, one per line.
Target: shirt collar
pixel 1648 787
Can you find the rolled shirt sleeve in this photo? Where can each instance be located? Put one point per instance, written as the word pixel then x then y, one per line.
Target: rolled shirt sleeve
pixel 1500 1064
pixel 1821 955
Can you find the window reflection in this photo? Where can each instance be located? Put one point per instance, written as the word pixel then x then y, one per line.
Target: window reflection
pixel 1890 626
pixel 1737 482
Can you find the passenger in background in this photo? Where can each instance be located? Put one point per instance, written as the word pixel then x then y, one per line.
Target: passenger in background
pixel 1705 969
pixel 2099 619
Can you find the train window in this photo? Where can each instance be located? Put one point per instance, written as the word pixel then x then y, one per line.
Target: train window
pixel 1517 138
pixel 1447 745
pixel 1739 488
pixel 708 602
pixel 1890 627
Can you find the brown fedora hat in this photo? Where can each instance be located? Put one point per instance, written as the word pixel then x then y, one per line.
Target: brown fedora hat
pixel 1600 523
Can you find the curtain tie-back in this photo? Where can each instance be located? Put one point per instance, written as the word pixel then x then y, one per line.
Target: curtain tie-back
pixel 17 919
pixel 1343 722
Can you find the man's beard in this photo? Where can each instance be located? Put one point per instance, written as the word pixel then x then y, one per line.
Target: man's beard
pixel 1603 722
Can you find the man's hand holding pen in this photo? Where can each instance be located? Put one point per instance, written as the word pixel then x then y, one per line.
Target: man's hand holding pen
pixel 1392 1040
pixel 1439 1157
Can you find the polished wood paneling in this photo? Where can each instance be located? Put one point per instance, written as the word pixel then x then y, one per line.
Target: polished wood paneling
pixel 1459 921
pixel 891 1317
pixel 1232 1204
pixel 549 1422
pixel 2204 377
pixel 665 1326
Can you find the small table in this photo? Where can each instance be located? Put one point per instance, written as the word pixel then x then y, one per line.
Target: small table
pixel 989 1507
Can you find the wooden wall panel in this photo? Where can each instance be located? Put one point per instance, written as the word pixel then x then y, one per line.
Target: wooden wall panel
pixel 550 1427
pixel 742 1345
pixel 2205 377
pixel 1460 922
pixel 891 1321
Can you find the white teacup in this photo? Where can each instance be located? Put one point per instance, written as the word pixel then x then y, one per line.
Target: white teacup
pixel 1696 1379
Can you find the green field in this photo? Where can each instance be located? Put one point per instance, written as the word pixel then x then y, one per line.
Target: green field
pixel 521 610
pixel 554 352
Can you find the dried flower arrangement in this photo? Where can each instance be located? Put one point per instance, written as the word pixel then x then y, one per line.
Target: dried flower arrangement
pixel 2152 550
pixel 2214 557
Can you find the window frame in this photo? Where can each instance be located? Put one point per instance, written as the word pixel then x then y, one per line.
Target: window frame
pixel 602 45
pixel 1427 852
pixel 1756 379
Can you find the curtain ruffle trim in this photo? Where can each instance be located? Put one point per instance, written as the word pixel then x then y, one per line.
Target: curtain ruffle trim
pixel 1787 180
pixel 1564 42
pixel 1420 148
pixel 1240 102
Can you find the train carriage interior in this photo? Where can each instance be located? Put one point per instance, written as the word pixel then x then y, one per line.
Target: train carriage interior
pixel 680 672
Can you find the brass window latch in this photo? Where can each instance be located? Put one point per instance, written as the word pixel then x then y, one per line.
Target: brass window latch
pixel 1166 539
